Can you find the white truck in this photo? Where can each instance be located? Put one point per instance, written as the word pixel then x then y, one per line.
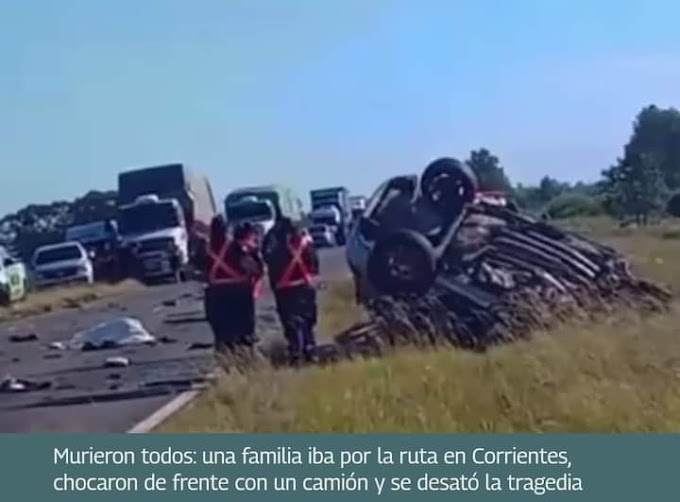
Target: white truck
pixel 154 238
pixel 261 206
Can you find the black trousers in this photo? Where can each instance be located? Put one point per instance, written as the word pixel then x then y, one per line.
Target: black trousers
pixel 297 310
pixel 230 311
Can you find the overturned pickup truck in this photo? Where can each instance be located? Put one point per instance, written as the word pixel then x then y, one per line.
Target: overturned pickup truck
pixel 432 257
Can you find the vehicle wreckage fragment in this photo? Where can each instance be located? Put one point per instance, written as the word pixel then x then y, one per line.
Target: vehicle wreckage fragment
pixel 434 261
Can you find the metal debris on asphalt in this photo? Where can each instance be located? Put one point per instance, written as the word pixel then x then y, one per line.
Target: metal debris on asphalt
pixel 31 337
pixel 117 362
pixel 11 384
pixel 200 346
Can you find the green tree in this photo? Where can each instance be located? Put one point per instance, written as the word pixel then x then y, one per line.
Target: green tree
pixel 635 187
pixel 656 133
pixel 571 204
pixel 489 171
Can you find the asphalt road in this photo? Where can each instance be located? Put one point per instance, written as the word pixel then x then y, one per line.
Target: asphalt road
pixel 86 396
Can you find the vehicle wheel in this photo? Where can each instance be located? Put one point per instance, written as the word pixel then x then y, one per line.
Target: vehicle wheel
pixel 404 262
pixel 5 300
pixel 448 185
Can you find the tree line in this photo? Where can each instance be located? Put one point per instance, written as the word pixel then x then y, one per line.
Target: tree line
pixel 644 182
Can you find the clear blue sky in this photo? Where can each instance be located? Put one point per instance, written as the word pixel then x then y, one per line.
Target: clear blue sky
pixel 314 93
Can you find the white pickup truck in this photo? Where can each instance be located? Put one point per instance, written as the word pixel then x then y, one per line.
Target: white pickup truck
pixel 155 238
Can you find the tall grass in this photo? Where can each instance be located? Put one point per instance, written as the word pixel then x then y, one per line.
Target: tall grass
pixel 620 375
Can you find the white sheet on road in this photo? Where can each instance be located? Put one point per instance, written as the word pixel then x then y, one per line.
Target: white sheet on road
pixel 121 331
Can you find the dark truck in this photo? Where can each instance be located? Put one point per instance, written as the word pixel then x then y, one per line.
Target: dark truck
pixel 101 240
pixel 331 206
pixel 159 241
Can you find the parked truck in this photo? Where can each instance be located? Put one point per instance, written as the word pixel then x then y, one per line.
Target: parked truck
pixel 262 205
pixel 358 205
pixel 331 206
pixel 164 218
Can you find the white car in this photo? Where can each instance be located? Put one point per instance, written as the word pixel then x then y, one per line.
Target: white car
pixel 62 263
pixel 322 235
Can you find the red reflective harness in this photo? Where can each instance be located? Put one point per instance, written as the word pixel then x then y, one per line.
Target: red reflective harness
pixel 220 265
pixel 296 263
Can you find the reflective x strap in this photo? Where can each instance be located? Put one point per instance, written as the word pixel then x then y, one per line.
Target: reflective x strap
pixel 296 261
pixel 219 264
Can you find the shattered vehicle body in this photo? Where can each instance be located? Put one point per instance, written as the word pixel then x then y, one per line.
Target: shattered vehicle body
pixel 433 260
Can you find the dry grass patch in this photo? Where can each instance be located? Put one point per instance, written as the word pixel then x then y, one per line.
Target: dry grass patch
pixel 620 375
pixel 66 297
pixel 337 309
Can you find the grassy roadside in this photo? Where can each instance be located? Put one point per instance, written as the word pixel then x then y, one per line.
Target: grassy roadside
pixel 68 297
pixel 621 375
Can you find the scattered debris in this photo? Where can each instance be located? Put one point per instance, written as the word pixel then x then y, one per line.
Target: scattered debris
pixel 115 333
pixel 11 384
pixel 200 346
pixel 117 362
pixel 166 340
pixel 57 346
pixel 169 303
pixel 31 337
pixel 434 262
pixel 70 303
pixel 196 316
pixel 53 355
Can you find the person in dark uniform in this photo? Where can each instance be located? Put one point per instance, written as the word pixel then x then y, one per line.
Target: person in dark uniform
pixel 292 264
pixel 234 269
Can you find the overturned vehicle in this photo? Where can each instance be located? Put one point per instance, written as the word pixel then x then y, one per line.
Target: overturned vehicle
pixel 432 260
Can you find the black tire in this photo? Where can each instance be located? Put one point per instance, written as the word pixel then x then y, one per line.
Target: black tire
pixel 415 277
pixel 460 188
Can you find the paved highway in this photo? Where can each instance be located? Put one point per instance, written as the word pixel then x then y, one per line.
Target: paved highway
pixel 84 395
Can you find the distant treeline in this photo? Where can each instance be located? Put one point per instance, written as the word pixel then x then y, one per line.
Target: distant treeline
pixel 38 224
pixel 643 182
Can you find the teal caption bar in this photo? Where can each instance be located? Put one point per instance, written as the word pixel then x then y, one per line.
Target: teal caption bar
pixel 364 467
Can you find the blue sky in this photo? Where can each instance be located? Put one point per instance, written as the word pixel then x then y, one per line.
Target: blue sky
pixel 313 93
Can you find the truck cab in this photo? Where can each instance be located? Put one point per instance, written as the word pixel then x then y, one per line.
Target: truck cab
pixel 190 189
pixel 260 213
pixel 154 237
pixel 262 206
pixel 328 217
pixel 331 206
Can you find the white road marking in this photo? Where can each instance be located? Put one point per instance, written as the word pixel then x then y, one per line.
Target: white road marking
pixel 163 413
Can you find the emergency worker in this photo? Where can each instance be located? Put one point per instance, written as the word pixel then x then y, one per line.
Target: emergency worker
pixel 292 264
pixel 234 271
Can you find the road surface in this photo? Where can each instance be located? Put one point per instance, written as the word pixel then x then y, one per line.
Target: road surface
pixel 84 395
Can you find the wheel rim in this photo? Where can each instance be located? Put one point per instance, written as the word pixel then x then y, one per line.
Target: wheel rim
pixel 446 186
pixel 403 264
